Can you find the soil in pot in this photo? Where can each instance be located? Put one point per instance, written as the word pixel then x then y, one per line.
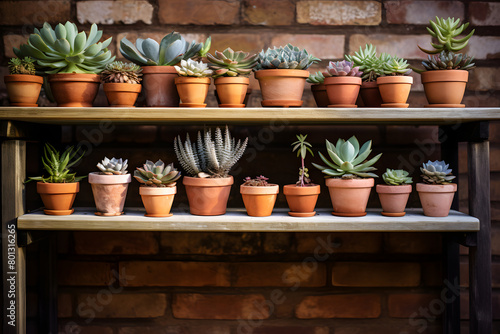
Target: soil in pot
pixel 342 91
pixel 301 200
pixel 157 200
pixel 436 199
pixel 192 91
pixel 349 196
pixel 445 88
pixel 121 94
pixel 393 199
pixel 231 91
pixel 320 95
pixel 159 86
pixel 109 192
pixel 282 87
pixel 74 89
pixel 58 198
pixel 23 89
pixel 370 94
pixel 207 196
pixel 394 90
pixel 259 201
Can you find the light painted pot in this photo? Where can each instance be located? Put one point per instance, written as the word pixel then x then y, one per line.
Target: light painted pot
pixel 109 192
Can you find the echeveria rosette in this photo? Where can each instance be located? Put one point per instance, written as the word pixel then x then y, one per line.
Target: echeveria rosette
pixel 191 68
pixel 287 57
pixel 395 66
pixel 436 172
pixel 113 166
pixel 448 61
pixel 157 174
pixel 341 69
pixel 232 64
pixel 396 177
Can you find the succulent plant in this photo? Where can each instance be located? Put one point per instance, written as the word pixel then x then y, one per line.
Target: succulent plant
pixel 208 157
pixel 396 177
pixel 232 64
pixel 288 57
pixel 395 66
pixel 302 147
pixel 65 50
pixel 446 32
pixel 259 181
pixel 113 166
pixel 348 160
pixel 25 65
pixel 157 174
pixel 436 172
pixel 120 72
pixel 316 78
pixel 172 49
pixel 449 61
pixel 367 61
pixel 192 68
pixel 341 69
pixel 58 165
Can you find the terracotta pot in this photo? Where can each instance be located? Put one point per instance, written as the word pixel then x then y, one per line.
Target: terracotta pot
pixel 445 88
pixel 207 197
pixel 394 90
pixel 231 91
pixel 349 197
pixel 393 199
pixel 342 91
pixel 121 94
pixel 245 101
pixel 282 87
pixel 301 200
pixel 58 198
pixel 436 199
pixel 23 89
pixel 159 86
pixel 259 201
pixel 157 200
pixel 320 95
pixel 192 91
pixel 370 94
pixel 74 89
pixel 109 192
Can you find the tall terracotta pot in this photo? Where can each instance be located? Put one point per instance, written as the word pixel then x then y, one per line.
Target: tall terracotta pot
pixel 74 89
pixel 349 197
pixel 231 91
pixel 445 88
pixel 395 90
pixel 157 200
pixel 342 91
pixel 259 201
pixel 58 198
pixel 110 192
pixel 436 199
pixel 192 91
pixel 159 86
pixel 301 200
pixel 282 87
pixel 393 199
pixel 23 89
pixel 320 95
pixel 207 196
pixel 121 94
pixel 370 94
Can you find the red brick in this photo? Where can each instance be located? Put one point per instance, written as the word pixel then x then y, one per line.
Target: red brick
pixel 35 13
pixel 425 136
pixel 395 327
pixel 432 273
pixel 401 45
pixel 484 13
pixel 84 273
pixel 484 47
pixel 208 243
pixel 222 307
pixel 339 242
pixel 71 327
pixel 339 12
pixel 314 44
pixel 11 41
pixel 484 79
pixel 372 274
pixel 481 99
pixel 188 329
pixel 161 273
pixel 413 243
pixel 64 305
pixel 115 243
pixel 113 12
pixel 269 12
pixel 122 305
pixel 199 12
pixel 291 330
pixel 339 306
pixel 420 12
pixel 245 42
pixel 407 305
pixel 256 274
pixel 277 243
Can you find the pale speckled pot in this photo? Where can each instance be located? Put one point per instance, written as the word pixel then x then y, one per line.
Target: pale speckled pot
pixel 109 192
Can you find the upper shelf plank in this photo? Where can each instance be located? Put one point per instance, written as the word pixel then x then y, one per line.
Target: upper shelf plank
pixel 236 220
pixel 278 116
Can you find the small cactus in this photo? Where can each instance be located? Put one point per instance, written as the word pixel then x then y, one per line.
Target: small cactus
pixel 113 166
pixel 396 177
pixel 436 172
pixel 25 65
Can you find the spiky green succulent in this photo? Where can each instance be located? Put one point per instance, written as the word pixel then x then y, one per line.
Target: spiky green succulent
pixel 348 159
pixel 446 32
pixel 436 172
pixel 288 57
pixel 157 174
pixel 396 177
pixel 341 69
pixel 113 166
pixel 192 68
pixel 120 72
pixel 316 78
pixel 65 50
pixel 448 61
pixel 232 64
pixel 25 65
pixel 367 61
pixel 396 66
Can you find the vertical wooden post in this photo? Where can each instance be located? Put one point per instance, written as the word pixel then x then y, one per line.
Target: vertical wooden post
pixel 47 284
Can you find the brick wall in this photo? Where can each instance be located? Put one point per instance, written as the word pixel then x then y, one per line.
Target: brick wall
pixel 229 283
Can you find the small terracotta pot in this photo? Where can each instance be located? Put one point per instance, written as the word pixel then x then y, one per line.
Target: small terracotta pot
pixel 320 95
pixel 121 94
pixel 349 197
pixel 259 201
pixel 370 94
pixel 109 192
pixel 159 86
pixel 342 91
pixel 231 91
pixel 157 200
pixel 192 91
pixel 74 89
pixel 208 196
pixel 394 90
pixel 301 200
pixel 23 89
pixel 436 199
pixel 245 101
pixel 393 199
pixel 58 198
pixel 282 87
pixel 445 88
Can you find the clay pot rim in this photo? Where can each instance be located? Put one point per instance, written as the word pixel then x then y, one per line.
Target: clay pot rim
pixel 97 178
pixel 272 189
pixel 391 189
pixel 23 78
pixel 232 80
pixel 157 191
pixel 293 189
pixel 57 188
pixel 350 183
pixel 436 188
pixel 121 87
pixel 344 80
pixel 281 72
pixel 207 182
pixel 156 69
pixel 445 76
pixel 72 77
pixel 395 79
pixel 192 80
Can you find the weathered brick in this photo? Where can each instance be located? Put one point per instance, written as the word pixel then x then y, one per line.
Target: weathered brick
pixel 84 273
pixel 71 327
pixel 339 306
pixel 484 13
pixel 115 243
pixel 210 243
pixel 263 274
pixel 161 329
pixel 372 274
pixel 277 243
pixel 432 273
pixel 406 305
pixel 413 243
pixel 64 305
pixel 34 13
pixel 481 99
pixel 198 306
pixel 112 12
pixel 339 12
pixel 338 242
pixel 161 273
pixel 246 42
pixel 404 46
pixel 420 12
pixel 11 41
pixel 314 44
pixel 269 12
pixel 413 135
pixel 483 47
pixel 394 327
pixel 290 330
pixel 122 305
pixel 222 12
pixel 484 78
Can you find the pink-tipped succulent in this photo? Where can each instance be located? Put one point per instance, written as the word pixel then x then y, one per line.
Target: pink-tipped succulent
pixel 341 69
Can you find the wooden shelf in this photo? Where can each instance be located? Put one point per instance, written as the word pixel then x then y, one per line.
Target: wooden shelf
pixel 236 220
pixel 278 116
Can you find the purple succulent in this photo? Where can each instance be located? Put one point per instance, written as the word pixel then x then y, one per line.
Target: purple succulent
pixel 342 68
